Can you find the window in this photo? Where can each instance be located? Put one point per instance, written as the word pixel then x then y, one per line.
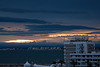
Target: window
pixel 78 55
pixel 78 63
pixel 83 59
pixel 83 56
pixel 95 56
pixel 78 59
pixel 87 55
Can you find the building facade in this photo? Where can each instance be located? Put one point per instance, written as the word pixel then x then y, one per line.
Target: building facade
pixel 85 60
pixel 80 48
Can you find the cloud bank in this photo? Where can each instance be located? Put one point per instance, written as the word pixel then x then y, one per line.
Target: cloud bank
pixel 45 29
pixel 21 20
pixel 15 10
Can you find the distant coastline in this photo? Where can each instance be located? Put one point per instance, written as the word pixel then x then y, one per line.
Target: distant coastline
pixel 33 48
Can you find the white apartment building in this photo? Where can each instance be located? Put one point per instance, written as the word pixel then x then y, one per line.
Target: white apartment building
pixel 83 60
pixel 81 51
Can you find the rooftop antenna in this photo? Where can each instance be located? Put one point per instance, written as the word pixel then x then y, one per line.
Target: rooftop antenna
pixel 85 37
pixel 36 41
pixel 95 36
pixel 64 38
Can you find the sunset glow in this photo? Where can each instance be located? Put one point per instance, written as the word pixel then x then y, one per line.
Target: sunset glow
pixel 58 35
pixel 53 38
pixel 19 41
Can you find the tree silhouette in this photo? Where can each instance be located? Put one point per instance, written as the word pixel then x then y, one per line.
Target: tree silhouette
pixel 61 61
pixel 54 62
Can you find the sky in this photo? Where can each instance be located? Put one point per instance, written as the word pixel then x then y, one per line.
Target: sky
pixel 48 20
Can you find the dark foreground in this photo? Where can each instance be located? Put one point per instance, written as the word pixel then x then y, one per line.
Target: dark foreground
pixel 37 56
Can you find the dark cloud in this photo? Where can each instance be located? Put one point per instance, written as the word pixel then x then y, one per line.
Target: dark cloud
pixel 1 30
pixel 21 20
pixel 29 33
pixel 45 29
pixel 57 27
pixel 14 10
pixel 94 32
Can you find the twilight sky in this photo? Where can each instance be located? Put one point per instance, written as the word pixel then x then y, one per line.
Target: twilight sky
pixel 41 20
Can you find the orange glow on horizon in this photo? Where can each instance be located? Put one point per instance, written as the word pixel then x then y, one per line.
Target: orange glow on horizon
pixel 19 41
pixel 52 38
pixel 58 35
pixel 26 41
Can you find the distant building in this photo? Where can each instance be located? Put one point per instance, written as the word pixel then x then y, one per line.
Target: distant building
pixel 81 51
pixel 11 65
